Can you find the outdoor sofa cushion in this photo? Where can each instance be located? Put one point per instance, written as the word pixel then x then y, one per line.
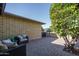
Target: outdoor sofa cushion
pixel 9 43
pixel 21 39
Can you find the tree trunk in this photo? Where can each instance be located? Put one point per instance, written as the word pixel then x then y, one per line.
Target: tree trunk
pixel 66 40
pixel 69 46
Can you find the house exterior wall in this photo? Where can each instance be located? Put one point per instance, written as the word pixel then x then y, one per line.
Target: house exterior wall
pixel 11 26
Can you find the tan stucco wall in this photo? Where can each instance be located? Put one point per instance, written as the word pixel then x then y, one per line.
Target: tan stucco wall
pixel 11 26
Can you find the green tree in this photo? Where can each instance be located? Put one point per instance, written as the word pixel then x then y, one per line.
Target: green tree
pixel 65 20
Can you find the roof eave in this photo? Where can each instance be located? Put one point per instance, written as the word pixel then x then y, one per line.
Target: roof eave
pixel 22 17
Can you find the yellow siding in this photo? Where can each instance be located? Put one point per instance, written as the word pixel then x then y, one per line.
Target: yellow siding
pixel 11 26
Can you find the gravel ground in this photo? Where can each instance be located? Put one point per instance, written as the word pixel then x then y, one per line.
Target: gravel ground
pixel 47 47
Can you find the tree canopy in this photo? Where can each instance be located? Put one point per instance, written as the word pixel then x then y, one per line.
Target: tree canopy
pixel 65 19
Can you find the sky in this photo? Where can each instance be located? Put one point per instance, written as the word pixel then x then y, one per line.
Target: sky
pixel 36 11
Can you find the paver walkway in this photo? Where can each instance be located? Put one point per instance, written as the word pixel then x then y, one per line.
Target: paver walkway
pixel 47 47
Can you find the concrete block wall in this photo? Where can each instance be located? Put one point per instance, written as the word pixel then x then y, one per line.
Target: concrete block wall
pixel 11 26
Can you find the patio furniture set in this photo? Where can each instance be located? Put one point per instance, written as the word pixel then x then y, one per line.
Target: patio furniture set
pixel 15 46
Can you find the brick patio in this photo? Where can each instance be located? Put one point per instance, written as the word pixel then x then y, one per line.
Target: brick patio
pixel 47 47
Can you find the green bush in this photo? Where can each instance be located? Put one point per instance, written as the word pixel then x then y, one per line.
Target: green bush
pixel 65 19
